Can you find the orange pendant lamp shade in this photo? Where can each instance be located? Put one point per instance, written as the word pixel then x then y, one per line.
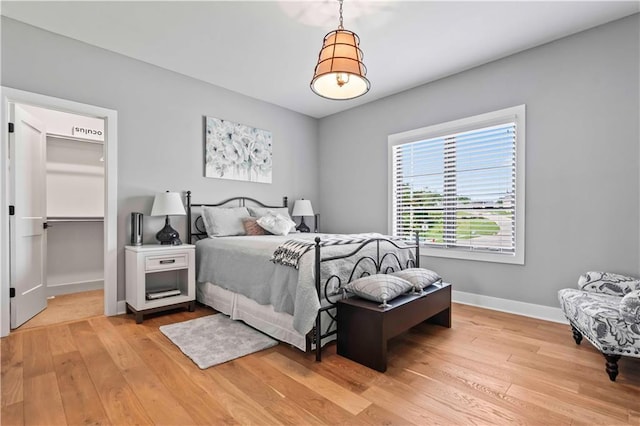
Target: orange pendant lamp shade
pixel 340 73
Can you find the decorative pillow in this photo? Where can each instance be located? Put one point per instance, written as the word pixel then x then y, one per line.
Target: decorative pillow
pixel 608 283
pixel 251 227
pixel 630 307
pixel 221 221
pixel 420 278
pixel 263 211
pixel 276 224
pixel 379 288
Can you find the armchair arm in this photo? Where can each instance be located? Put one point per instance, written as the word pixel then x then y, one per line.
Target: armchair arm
pixel 608 283
pixel 630 307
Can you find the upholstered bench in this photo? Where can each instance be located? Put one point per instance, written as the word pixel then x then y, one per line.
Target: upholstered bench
pixel 364 327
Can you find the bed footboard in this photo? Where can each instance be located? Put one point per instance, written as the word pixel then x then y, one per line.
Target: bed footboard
pixel 326 291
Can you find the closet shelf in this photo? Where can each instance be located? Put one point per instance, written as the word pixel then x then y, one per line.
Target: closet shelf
pixel 75 219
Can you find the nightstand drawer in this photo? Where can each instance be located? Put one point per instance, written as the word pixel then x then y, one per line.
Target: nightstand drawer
pixel 159 263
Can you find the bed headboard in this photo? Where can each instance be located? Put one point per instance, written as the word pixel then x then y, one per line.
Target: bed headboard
pixel 198 224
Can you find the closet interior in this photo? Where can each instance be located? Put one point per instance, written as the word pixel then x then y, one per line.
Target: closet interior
pixel 75 201
pixel 75 215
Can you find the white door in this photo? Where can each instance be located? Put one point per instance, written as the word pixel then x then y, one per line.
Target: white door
pixel 27 152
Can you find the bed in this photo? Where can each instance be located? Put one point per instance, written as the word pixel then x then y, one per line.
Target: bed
pixel 235 275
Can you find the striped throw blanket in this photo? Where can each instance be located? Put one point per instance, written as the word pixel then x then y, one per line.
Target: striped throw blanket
pixel 290 252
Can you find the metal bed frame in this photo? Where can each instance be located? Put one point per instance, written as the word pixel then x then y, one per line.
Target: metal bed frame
pixel 316 335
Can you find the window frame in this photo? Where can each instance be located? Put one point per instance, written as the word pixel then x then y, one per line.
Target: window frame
pixel 513 114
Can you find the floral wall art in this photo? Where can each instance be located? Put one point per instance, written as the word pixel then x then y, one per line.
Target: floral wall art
pixel 237 151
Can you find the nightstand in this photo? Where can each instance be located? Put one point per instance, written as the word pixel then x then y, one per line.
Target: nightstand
pixel 159 278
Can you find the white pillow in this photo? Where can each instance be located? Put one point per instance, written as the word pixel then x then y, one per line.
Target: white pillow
pixel 277 224
pixel 263 211
pixel 379 288
pixel 222 221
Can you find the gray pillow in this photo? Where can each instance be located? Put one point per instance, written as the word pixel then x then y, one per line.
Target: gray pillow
pixel 222 221
pixel 420 278
pixel 379 288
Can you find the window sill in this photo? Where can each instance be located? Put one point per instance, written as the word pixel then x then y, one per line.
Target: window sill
pixel 514 259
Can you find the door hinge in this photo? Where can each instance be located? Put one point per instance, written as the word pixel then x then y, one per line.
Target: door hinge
pixel 12 292
pixel 12 210
pixel 10 127
pixel 45 225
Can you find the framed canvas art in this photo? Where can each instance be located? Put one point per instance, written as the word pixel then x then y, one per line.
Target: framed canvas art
pixel 237 151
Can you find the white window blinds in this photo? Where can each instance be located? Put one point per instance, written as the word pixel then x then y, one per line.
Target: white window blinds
pixel 458 190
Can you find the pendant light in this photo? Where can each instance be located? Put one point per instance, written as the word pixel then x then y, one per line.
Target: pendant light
pixel 340 73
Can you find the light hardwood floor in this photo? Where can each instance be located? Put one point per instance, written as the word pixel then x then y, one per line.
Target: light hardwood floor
pixel 69 307
pixel 489 368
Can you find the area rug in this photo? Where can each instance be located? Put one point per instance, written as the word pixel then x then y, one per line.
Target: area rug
pixel 215 339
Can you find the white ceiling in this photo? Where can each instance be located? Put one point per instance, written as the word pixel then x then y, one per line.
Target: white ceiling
pixel 268 49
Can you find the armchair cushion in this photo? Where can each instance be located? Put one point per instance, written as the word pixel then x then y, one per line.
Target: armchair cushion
pixel 630 308
pixel 608 283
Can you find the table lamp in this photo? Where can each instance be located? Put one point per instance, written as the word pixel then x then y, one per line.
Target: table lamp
pixel 166 204
pixel 302 208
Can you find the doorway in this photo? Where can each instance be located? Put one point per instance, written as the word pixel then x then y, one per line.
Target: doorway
pixel 73 196
pixel 96 223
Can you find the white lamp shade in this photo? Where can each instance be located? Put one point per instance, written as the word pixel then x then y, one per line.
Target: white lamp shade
pixel 168 204
pixel 302 208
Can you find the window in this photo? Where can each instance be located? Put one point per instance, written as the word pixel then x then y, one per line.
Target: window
pixel 460 185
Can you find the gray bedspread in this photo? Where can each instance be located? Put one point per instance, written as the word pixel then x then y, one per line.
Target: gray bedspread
pixel 242 265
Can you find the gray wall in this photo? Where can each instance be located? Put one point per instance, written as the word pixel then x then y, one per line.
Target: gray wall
pixel 582 145
pixel 160 124
pixel 582 159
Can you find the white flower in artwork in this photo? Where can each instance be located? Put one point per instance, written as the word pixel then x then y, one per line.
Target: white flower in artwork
pixel 221 168
pixel 261 155
pixel 234 152
pixel 237 151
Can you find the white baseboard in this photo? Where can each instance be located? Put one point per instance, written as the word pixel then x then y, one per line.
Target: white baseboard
pixel 121 307
pixel 74 287
pixel 532 310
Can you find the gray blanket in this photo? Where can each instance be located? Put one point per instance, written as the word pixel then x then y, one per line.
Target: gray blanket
pixel 291 251
pixel 242 265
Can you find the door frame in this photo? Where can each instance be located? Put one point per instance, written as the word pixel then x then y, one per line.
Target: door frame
pixel 11 95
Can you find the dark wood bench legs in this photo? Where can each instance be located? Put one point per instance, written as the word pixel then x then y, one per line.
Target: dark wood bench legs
pixel 612 366
pixel 577 336
pixel 443 318
pixel 361 338
pixel 611 360
pixel 370 347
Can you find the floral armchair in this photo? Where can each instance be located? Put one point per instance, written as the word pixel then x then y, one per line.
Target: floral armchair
pixel 606 310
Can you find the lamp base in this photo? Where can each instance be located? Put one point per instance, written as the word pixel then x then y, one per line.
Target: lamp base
pixel 303 226
pixel 168 235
